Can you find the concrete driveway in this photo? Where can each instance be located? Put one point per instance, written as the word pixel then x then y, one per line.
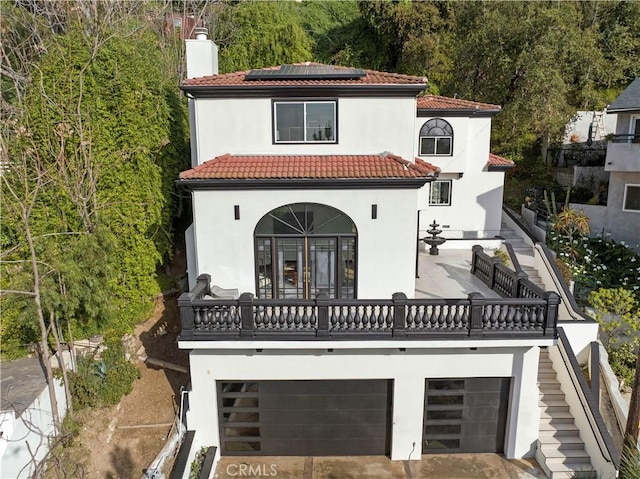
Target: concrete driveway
pixel 437 466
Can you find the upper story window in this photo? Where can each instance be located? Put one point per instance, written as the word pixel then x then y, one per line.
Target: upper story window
pixel 436 138
pixel 631 201
pixel 304 121
pixel 634 128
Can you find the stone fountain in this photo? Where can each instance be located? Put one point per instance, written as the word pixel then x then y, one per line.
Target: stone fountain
pixel 435 240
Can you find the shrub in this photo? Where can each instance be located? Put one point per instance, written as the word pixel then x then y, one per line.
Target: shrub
pixel 630 461
pixel 99 382
pixel 622 359
pixel 196 465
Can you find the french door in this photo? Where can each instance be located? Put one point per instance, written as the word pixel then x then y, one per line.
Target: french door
pixel 303 267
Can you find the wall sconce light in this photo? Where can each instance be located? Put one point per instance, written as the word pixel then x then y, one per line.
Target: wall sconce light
pixel 236 211
pixel 374 212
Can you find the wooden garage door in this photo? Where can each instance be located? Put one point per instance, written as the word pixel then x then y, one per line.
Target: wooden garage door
pixel 305 418
pixel 465 415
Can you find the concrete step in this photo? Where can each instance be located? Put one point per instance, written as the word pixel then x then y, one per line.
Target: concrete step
pixel 570 471
pixel 578 457
pixel 560 416
pixel 547 381
pixel 552 395
pixel 555 421
pixel 562 442
pixel 549 374
pixel 558 430
pixel 553 403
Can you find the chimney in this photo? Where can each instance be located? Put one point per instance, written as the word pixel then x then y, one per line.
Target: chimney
pixel 202 55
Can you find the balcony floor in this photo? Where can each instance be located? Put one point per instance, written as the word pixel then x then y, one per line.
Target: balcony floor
pixel 448 275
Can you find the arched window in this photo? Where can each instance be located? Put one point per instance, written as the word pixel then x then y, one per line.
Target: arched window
pixel 304 249
pixel 436 138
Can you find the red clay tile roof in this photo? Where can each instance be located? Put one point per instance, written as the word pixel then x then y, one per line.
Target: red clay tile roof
pixel 434 102
pixel 496 161
pixel 385 165
pixel 238 79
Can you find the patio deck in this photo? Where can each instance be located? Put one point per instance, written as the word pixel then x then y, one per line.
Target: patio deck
pixel 448 275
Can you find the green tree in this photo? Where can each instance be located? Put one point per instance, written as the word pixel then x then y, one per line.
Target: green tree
pixel 105 119
pixel 412 37
pixel 261 34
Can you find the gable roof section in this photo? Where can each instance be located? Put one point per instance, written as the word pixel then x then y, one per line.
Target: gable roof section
pixel 430 105
pixel 321 171
pixel 628 100
pixel 498 163
pixel 228 83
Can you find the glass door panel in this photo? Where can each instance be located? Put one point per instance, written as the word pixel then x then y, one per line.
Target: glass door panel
pixel 265 268
pixel 347 267
pixel 321 267
pixel 290 269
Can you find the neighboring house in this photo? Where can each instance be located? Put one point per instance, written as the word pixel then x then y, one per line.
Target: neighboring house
pixel 26 422
pixel 621 216
pixel 311 187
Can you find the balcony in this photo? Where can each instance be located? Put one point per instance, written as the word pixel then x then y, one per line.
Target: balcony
pixel 511 307
pixel 623 153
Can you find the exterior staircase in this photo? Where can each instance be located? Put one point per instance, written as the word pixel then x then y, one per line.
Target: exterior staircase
pixel 524 252
pixel 560 451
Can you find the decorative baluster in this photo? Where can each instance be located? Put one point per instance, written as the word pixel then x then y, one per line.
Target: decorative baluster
pixel 366 318
pixel 333 319
pixel 382 319
pixel 361 311
pixel 505 321
pixel 313 318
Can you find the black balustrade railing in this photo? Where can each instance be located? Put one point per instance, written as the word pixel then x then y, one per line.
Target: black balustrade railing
pixel 396 318
pixel 630 138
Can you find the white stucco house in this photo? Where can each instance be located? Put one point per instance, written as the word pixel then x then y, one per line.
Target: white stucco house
pixel 311 187
pixel 621 216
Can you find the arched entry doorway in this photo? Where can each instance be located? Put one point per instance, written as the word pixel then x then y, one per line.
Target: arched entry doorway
pixel 305 249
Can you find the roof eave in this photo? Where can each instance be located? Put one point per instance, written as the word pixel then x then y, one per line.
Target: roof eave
pixel 428 112
pixel 303 183
pixel 635 109
pixel 211 91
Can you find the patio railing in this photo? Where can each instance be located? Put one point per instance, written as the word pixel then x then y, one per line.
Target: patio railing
pixel 500 278
pixel 531 315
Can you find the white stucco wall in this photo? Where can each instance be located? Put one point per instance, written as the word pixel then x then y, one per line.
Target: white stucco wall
pixel 408 369
pixel 476 197
pixel 28 434
pixel 476 206
pixel 244 126
pixel 471 137
pixel 386 246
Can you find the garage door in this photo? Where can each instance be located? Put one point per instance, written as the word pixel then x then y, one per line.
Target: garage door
pixel 305 418
pixel 465 415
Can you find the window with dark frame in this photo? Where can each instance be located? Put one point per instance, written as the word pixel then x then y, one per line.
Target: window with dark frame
pixel 631 198
pixel 304 121
pixel 440 193
pixel 436 138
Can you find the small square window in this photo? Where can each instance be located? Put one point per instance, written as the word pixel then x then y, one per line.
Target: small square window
pixel 440 194
pixel 631 198
pixel 305 122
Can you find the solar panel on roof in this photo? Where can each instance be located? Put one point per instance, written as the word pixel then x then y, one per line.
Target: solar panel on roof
pixel 307 72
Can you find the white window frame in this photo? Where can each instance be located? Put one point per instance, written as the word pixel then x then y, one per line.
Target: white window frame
pixel 304 121
pixel 431 185
pixel 435 144
pixel 624 198
pixel 634 135
pixel 428 127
